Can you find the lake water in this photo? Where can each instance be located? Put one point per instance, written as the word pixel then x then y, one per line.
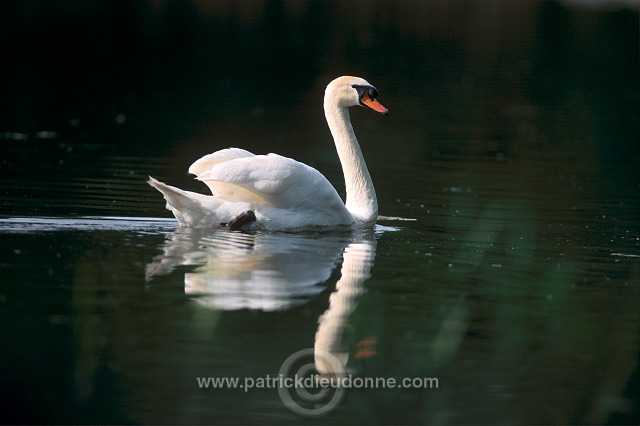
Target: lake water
pixel 511 295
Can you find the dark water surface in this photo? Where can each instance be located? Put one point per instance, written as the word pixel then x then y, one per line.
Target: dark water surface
pixel 512 141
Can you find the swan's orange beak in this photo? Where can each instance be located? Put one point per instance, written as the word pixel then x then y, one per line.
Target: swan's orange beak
pixel 373 104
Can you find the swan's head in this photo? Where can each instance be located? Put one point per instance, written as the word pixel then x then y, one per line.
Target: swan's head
pixel 349 91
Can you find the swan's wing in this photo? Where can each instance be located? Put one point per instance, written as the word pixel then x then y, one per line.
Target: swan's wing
pixel 280 181
pixel 203 166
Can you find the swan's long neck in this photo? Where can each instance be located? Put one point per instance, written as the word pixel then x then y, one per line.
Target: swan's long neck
pixel 361 196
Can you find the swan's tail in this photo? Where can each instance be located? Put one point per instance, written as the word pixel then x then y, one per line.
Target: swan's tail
pixel 189 208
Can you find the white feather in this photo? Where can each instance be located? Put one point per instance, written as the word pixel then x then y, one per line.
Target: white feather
pixel 282 192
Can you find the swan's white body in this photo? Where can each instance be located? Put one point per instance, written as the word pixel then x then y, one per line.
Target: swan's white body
pixel 284 193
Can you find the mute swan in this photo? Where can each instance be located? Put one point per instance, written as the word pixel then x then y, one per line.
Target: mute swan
pixel 272 192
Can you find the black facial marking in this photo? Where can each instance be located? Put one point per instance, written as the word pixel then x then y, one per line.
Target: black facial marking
pixel 362 90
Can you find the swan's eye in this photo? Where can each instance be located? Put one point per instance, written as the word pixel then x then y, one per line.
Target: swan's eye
pixel 368 91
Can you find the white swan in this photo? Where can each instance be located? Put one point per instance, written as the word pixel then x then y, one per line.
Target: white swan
pixel 272 192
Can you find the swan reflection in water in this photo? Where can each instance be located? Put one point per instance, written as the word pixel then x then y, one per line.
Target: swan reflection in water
pixel 274 272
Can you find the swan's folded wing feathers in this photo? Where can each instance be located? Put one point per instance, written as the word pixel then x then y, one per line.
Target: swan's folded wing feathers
pixel 279 180
pixel 260 173
pixel 202 166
